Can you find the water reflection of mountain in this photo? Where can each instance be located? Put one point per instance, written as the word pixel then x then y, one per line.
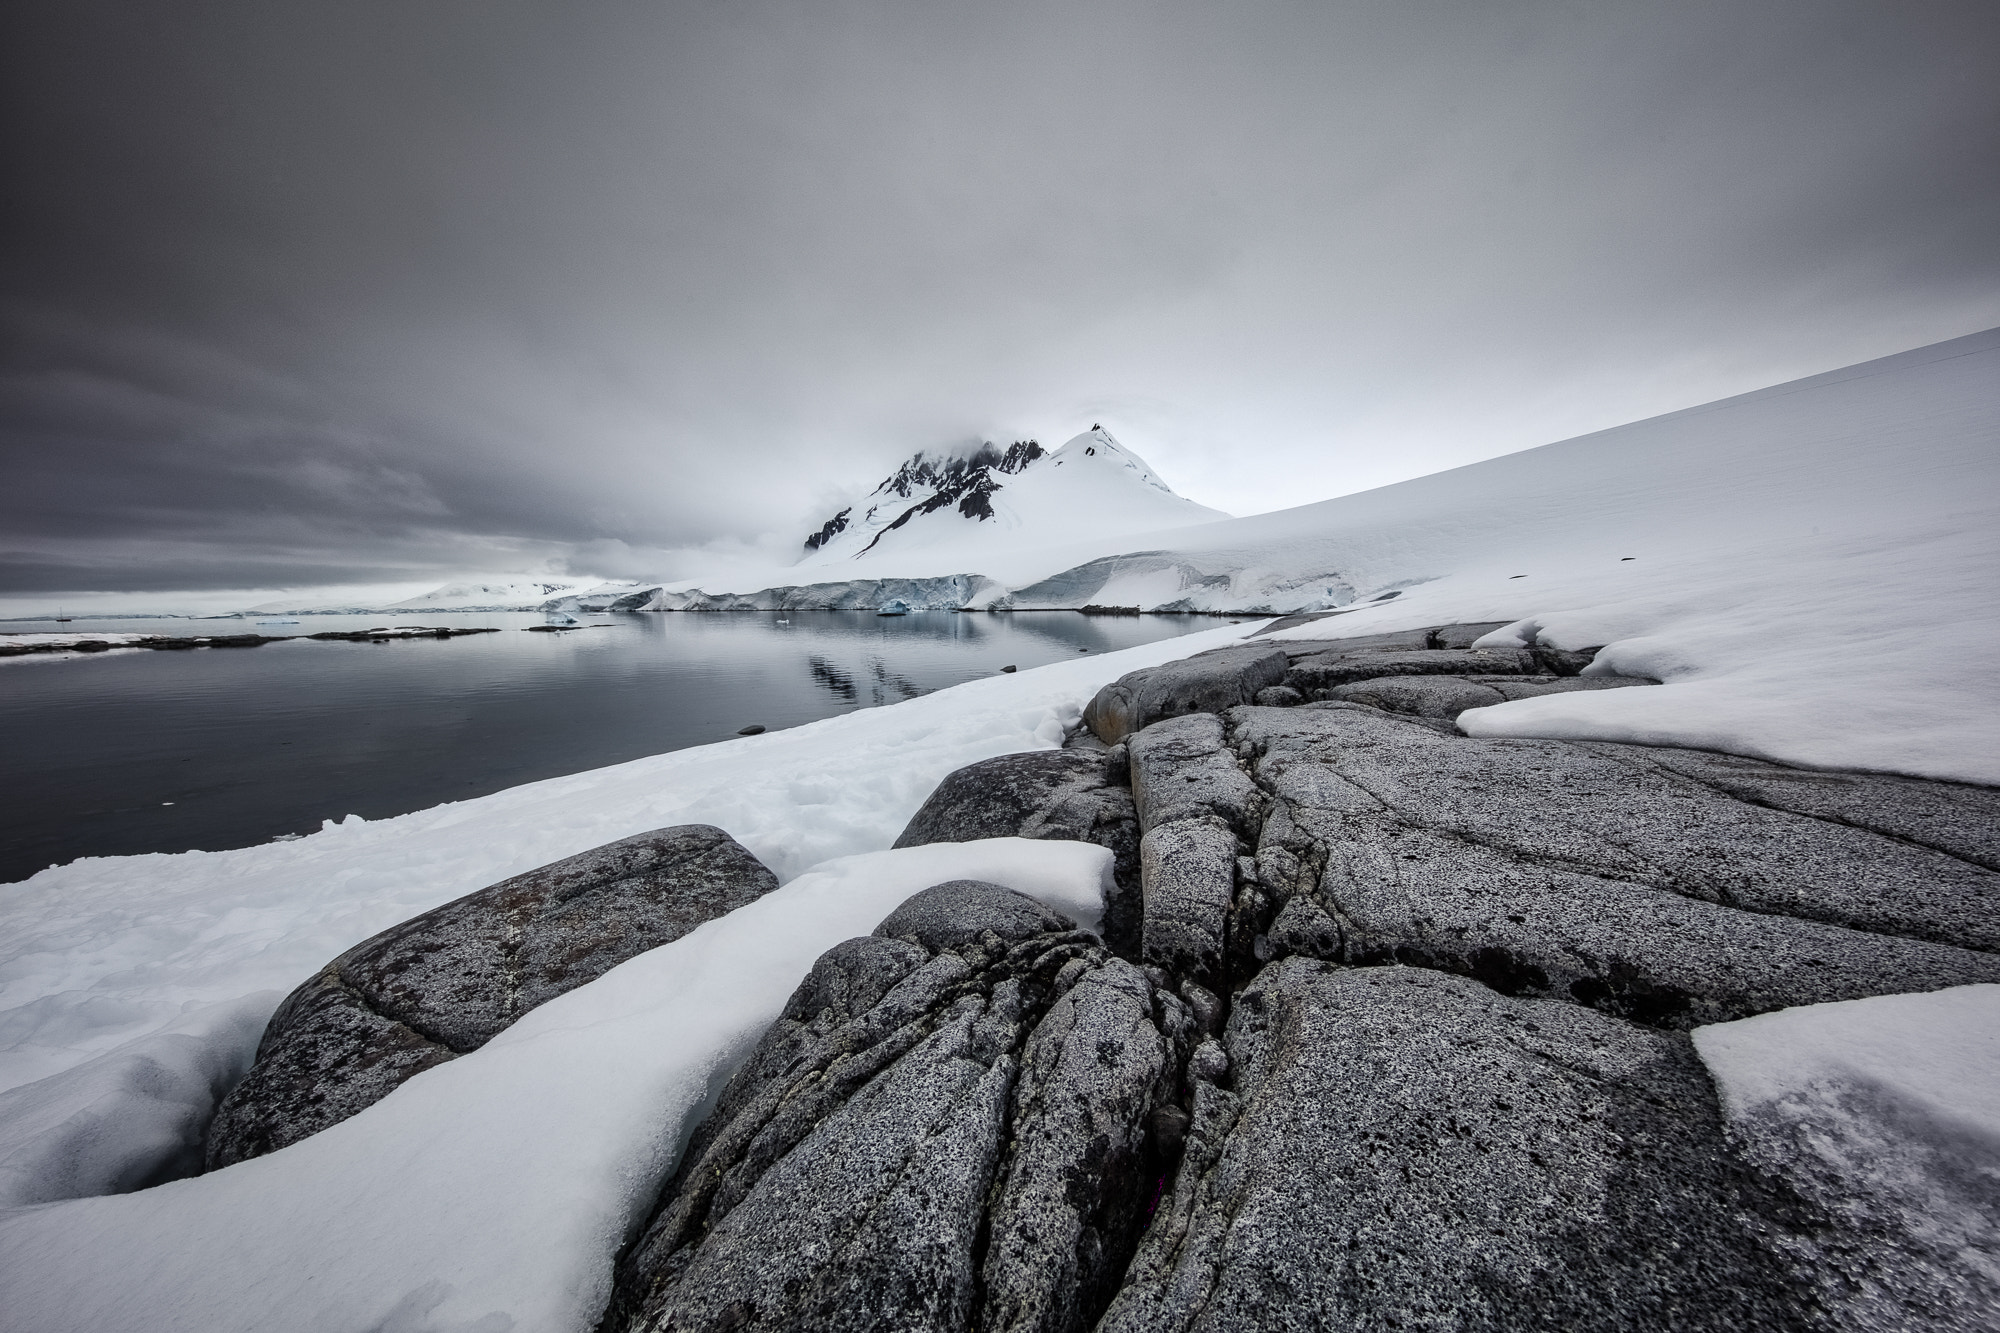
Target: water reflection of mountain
pixel 880 685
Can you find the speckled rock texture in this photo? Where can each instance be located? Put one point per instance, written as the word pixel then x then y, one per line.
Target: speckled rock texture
pixel 1394 1148
pixel 1602 873
pixel 955 1125
pixel 1205 683
pixel 1448 696
pixel 1078 794
pixel 444 983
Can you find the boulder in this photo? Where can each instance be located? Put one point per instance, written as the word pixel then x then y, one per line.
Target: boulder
pixel 444 983
pixel 1066 794
pixel 1393 1148
pixel 952 1126
pixel 1206 683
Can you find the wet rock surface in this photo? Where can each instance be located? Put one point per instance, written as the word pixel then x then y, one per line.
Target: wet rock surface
pixel 951 1127
pixel 446 982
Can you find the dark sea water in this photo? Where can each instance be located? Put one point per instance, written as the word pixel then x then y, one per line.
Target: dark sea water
pixel 142 751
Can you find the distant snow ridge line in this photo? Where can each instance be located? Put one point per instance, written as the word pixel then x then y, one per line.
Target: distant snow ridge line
pixel 952 593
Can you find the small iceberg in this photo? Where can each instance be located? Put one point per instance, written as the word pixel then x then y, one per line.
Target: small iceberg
pixel 893 607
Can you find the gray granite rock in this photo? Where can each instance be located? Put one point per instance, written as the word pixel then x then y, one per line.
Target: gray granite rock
pixel 1549 868
pixel 1206 683
pixel 1448 696
pixel 945 1135
pixel 1183 769
pixel 1952 818
pixel 1077 794
pixel 1393 1148
pixel 1416 1063
pixel 445 982
pixel 1189 868
pixel 1424 696
pixel 962 912
pixel 1529 687
pixel 1898 1225
pixel 1394 641
pixel 1465 635
pixel 1319 672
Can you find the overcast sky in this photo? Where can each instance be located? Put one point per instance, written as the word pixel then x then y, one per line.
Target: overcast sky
pixel 309 293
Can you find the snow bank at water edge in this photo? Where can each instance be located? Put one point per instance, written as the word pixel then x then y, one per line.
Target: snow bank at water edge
pixel 491 1192
pixel 106 950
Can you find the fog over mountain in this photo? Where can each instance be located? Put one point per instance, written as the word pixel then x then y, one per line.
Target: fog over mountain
pixel 299 294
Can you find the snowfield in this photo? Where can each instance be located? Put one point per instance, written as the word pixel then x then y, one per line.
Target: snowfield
pixel 1809 569
pixel 493 1191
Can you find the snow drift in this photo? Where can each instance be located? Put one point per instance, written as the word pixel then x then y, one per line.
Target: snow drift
pixel 492 1191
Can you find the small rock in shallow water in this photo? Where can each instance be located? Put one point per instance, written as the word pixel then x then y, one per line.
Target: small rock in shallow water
pixel 754 729
pixel 1007 668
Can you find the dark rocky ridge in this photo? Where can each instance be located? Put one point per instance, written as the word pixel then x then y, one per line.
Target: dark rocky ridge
pixel 966 480
pixel 448 981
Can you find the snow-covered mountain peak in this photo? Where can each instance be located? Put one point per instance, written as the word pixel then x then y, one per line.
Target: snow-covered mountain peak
pixel 971 497
pixel 1096 451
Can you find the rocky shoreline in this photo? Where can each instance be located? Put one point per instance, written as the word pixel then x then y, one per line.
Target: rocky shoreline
pixel 171 643
pixel 1385 1026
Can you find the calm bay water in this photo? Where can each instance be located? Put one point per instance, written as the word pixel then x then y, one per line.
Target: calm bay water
pixel 143 751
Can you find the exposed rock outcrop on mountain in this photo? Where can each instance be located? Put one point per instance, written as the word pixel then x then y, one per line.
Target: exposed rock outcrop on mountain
pixel 1400 1035
pixel 938 481
pixel 445 983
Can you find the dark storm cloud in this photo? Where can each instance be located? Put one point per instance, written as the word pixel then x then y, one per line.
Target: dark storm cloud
pixel 298 292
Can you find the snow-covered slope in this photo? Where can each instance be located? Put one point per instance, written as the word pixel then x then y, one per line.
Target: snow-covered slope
pixel 1733 550
pixel 979 506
